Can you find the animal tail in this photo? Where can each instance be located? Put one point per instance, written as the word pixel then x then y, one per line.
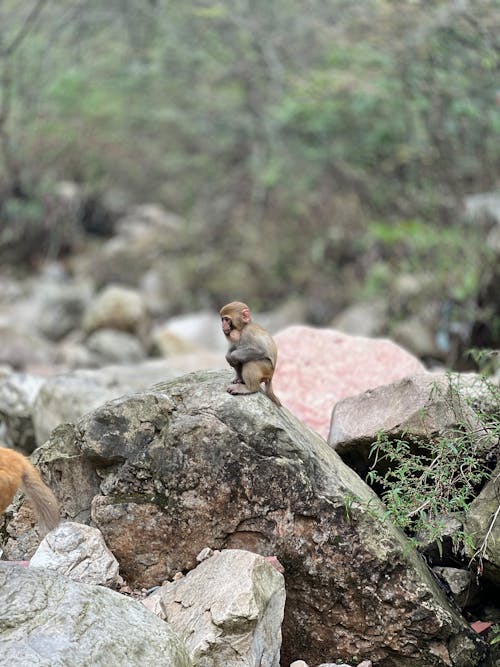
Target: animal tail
pixel 269 391
pixel 44 501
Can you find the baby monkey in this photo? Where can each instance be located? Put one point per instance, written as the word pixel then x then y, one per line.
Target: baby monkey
pixel 252 351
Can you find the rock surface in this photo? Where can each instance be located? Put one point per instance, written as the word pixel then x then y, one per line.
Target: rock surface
pixel 18 392
pixel 228 610
pixel 68 396
pixel 483 522
pixel 421 406
pixel 319 367
pixel 78 552
pixel 47 620
pixel 185 465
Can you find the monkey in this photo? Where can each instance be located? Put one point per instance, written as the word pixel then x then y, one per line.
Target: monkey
pixel 252 351
pixel 17 471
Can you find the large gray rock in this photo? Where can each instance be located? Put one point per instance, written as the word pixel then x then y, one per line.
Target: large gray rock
pixel 483 522
pixel 60 308
pixel 47 619
pixel 18 392
pixel 67 397
pixel 228 610
pixel 420 406
pixel 146 235
pixel 185 465
pixel 201 329
pixel 111 346
pixel 23 348
pixel 362 319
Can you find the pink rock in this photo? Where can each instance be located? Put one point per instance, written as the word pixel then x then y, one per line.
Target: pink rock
pixel 318 367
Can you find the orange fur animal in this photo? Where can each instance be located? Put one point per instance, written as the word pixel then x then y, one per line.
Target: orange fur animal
pixel 17 471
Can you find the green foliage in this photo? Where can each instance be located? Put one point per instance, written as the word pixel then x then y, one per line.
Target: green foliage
pixel 423 481
pixel 488 361
pixel 302 121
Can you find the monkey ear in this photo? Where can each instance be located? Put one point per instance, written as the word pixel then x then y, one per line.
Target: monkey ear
pixel 245 315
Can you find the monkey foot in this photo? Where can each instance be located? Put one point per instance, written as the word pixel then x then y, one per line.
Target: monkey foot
pixel 236 389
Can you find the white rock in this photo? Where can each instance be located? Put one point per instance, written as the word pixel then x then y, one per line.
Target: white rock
pixel 80 553
pixel 228 610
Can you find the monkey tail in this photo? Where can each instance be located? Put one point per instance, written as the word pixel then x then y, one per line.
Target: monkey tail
pixel 44 501
pixel 269 391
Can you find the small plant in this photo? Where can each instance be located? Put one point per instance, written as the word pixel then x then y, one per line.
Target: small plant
pixel 495 634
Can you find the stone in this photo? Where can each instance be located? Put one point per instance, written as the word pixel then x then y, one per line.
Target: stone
pixel 419 406
pixel 80 553
pixel 18 392
pixel 419 337
pixel 185 465
pixel 111 346
pixel 461 584
pixel 362 319
pixel 60 308
pixel 201 329
pixel 317 368
pixel 482 521
pixel 68 396
pixel 116 307
pixel 228 610
pixel 23 348
pixel 47 619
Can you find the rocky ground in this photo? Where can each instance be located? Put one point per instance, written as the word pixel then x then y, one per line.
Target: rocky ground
pixel 169 486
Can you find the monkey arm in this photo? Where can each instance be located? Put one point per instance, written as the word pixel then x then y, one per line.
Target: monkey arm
pixel 244 353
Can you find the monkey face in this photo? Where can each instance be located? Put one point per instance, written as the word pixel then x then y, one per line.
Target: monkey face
pixel 227 325
pixel 234 316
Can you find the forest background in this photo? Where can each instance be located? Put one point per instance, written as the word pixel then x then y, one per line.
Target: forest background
pixel 312 149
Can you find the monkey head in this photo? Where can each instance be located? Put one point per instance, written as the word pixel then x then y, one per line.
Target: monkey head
pixel 235 316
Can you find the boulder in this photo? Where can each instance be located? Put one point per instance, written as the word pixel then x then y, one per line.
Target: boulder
pixel 186 465
pixel 78 552
pixel 116 307
pixel 200 329
pixel 47 619
pixel 228 610
pixel 111 346
pixel 362 319
pixel 145 235
pixel 319 367
pixel 420 406
pixel 419 336
pixel 68 396
pixel 60 307
pixel 483 522
pixel 461 585
pixel 18 392
pixel 483 208
pixel 23 348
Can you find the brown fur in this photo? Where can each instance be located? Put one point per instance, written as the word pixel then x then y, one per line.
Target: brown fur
pixel 16 471
pixel 252 351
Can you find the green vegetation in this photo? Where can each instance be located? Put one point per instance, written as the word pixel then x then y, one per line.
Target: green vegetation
pixel 309 144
